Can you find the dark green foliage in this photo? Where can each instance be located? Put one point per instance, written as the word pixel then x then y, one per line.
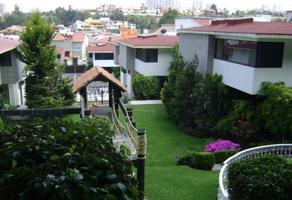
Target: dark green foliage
pixel 169 17
pixel 186 160
pixel 221 156
pixel 117 72
pixel 276 109
pixel 267 177
pixel 167 93
pixel 44 84
pixel 204 160
pixel 117 14
pixel 145 87
pixel 61 159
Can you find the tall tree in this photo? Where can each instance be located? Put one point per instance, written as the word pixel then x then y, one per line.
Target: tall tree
pixel 214 8
pixel 169 17
pixel 44 84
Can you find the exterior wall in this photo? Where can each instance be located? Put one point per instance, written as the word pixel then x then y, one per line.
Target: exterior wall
pixel 11 74
pixel 181 23
pixel 201 45
pixel 117 54
pixel 14 94
pixel 127 57
pixel 249 79
pixel 159 68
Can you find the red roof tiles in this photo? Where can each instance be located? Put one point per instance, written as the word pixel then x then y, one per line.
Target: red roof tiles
pixel 7 45
pixel 78 37
pixel 101 48
pixel 152 40
pixel 261 28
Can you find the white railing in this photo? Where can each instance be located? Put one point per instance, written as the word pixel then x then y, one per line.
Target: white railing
pixel 279 149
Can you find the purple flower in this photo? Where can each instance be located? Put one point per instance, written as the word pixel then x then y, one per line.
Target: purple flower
pixel 221 145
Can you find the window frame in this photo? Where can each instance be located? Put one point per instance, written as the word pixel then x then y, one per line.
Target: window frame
pixel 144 55
pixel 7 62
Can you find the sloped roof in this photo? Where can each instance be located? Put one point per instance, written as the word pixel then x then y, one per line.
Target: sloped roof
pixel 152 40
pixel 7 45
pixel 101 48
pixel 59 37
pixel 166 27
pixel 202 21
pixel 259 28
pixel 96 73
pixel 78 37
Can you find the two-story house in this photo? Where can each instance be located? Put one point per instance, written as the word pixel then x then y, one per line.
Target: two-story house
pixel 73 46
pixel 244 52
pixel 149 55
pixel 11 73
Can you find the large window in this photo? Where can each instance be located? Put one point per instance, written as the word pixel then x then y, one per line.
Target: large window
pixel 255 54
pixel 104 56
pixel 147 55
pixel 5 59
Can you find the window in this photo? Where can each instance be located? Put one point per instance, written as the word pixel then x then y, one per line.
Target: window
pixel 90 55
pixel 67 54
pixel 104 56
pixel 147 55
pixel 5 59
pixel 59 56
pixel 255 54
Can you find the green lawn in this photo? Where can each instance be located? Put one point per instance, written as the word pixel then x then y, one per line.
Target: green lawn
pixel 165 180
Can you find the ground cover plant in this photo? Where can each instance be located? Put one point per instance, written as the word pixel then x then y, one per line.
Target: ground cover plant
pixel 62 159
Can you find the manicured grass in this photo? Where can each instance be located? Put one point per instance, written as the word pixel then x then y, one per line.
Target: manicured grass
pixel 165 180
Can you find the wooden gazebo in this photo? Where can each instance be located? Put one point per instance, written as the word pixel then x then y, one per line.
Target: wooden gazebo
pixel 98 74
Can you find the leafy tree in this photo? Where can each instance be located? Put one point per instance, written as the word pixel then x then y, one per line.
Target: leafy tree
pixel 145 87
pixel 44 85
pixel 214 8
pixel 169 17
pixel 117 14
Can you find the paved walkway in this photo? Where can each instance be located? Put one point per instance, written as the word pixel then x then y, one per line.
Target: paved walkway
pixel 145 102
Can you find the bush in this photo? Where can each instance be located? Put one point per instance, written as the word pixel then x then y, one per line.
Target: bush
pixel 276 109
pixel 204 160
pixel 145 87
pixel 221 156
pixel 268 177
pixel 186 160
pixel 61 159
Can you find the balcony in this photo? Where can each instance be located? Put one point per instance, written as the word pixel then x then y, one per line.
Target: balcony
pixel 249 79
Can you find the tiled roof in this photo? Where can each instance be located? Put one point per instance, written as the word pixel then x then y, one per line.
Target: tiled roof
pixel 202 21
pixel 78 37
pixel 166 27
pixel 231 26
pixel 112 40
pixel 59 37
pixel 7 45
pixel 152 40
pixel 94 74
pixel 101 48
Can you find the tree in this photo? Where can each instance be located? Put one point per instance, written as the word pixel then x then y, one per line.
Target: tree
pixel 214 8
pixel 117 14
pixel 44 84
pixel 169 17
pixel 167 93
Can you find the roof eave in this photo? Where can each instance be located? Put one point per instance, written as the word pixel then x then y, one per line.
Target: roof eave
pixel 148 47
pixel 251 35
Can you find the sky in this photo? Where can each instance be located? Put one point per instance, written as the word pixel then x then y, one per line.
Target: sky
pixel 44 5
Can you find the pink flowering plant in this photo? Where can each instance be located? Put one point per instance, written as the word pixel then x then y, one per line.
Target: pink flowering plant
pixel 221 145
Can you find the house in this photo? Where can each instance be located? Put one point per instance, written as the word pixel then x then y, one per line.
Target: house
pixel 11 73
pixel 149 55
pixel 74 48
pixel 102 55
pixel 244 52
pixel 289 15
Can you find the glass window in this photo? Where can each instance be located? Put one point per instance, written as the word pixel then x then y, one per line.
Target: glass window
pixel 104 56
pixel 90 55
pixel 147 55
pixel 5 59
pixel 256 54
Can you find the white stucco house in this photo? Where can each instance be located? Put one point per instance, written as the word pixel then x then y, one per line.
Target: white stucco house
pixel 71 48
pixel 244 52
pixel 149 55
pixel 11 73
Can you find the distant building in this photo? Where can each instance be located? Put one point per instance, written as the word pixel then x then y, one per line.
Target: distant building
pixel 2 9
pixel 160 4
pixel 289 15
pixel 101 55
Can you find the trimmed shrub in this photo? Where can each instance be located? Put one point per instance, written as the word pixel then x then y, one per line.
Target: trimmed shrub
pixel 145 87
pixel 186 160
pixel 221 156
pixel 268 177
pixel 204 160
pixel 62 159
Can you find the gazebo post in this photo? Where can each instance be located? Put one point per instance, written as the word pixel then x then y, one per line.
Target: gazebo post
pixel 110 93
pixel 117 95
pixel 83 101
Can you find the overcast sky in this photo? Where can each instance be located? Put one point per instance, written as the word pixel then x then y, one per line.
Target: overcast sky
pixel 27 5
